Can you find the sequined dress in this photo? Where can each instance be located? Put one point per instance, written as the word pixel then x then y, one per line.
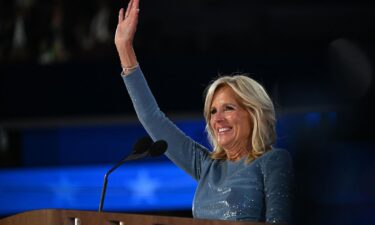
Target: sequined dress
pixel 258 191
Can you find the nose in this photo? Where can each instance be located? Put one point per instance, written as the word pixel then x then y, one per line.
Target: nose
pixel 218 116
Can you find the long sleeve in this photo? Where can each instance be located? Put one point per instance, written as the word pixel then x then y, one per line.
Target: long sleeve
pixel 259 191
pixel 182 150
pixel 278 186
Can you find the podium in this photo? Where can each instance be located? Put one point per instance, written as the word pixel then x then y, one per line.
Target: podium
pixel 76 217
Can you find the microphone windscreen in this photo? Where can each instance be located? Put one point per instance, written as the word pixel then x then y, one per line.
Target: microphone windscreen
pixel 142 145
pixel 158 148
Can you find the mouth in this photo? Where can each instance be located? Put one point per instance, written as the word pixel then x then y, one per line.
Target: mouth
pixel 223 130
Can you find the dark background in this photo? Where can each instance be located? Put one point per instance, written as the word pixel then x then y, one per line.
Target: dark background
pixel 60 67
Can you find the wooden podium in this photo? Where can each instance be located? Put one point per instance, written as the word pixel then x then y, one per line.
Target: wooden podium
pixel 75 217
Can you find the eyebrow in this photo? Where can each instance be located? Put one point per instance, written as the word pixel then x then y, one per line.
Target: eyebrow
pixel 225 104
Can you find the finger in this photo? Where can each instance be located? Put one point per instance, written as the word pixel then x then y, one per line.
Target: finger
pixel 121 15
pixel 135 6
pixel 128 8
pixel 134 12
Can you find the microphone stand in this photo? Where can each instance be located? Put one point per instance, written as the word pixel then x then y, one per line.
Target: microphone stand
pixel 104 189
pixel 143 149
pixel 105 183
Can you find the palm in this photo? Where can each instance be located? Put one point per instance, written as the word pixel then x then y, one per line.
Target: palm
pixel 127 24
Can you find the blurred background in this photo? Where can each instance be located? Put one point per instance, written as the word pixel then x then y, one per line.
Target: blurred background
pixel 65 116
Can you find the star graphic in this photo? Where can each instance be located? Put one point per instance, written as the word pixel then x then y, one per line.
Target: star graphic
pixel 143 188
pixel 63 191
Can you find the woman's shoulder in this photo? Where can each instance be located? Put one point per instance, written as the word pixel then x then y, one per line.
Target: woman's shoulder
pixel 276 156
pixel 276 152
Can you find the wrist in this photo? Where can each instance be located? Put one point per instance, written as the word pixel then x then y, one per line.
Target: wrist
pixel 128 58
pixel 127 70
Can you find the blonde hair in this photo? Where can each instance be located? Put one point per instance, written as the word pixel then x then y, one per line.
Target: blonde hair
pixel 253 97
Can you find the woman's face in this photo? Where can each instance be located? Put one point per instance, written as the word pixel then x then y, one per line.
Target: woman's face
pixel 230 122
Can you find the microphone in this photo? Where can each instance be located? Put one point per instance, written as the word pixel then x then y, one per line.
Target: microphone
pixel 142 148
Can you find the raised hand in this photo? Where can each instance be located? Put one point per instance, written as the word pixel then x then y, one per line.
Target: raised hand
pixel 125 32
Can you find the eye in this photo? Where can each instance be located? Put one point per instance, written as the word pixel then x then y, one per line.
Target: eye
pixel 229 108
pixel 213 111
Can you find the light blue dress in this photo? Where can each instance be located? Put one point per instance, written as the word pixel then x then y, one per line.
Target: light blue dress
pixel 260 191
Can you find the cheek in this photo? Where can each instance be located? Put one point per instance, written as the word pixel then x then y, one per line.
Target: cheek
pixel 245 125
pixel 235 119
pixel 211 125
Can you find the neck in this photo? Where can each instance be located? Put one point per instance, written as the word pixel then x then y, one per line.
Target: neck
pixel 236 155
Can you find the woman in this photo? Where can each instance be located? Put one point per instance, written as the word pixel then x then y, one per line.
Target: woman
pixel 244 178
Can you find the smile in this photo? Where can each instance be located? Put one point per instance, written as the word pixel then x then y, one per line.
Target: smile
pixel 223 129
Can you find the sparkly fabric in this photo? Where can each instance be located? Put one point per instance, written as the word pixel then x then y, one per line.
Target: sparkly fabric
pixel 258 191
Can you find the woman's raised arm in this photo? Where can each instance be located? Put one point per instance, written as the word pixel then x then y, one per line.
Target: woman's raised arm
pixel 125 32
